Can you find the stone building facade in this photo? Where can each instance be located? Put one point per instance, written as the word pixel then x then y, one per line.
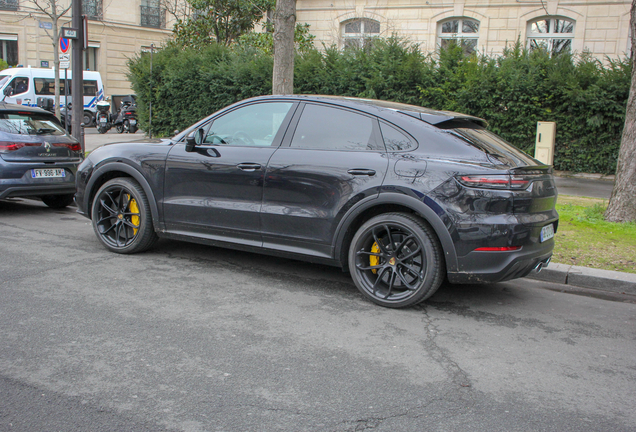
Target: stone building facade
pixel 119 29
pixel 601 27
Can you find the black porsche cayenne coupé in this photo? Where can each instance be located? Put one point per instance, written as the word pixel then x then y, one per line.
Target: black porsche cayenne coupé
pixel 401 196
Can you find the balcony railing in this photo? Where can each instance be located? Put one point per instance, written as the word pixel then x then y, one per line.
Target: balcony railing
pixel 12 5
pixel 152 16
pixel 92 9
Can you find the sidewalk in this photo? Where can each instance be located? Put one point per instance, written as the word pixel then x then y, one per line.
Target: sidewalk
pixel 595 186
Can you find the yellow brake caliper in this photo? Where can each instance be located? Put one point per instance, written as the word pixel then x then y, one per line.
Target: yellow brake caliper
pixel 134 219
pixel 374 260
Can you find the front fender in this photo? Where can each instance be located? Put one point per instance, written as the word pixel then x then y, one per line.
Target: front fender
pixel 117 166
pixel 426 207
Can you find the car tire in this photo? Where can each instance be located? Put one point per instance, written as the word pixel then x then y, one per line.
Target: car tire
pixel 58 201
pixel 121 217
pixel 396 260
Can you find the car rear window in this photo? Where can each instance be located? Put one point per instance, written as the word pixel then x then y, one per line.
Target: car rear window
pixel 24 123
pixel 493 145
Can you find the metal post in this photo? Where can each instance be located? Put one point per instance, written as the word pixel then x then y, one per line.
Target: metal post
pixel 77 79
pixel 152 48
pixel 66 125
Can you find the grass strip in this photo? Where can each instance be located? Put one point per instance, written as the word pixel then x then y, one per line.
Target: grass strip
pixel 584 238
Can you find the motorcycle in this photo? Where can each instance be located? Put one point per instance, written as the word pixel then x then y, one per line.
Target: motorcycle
pixel 126 120
pixel 102 119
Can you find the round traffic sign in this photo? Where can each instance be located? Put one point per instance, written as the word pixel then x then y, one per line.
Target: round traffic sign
pixel 64 45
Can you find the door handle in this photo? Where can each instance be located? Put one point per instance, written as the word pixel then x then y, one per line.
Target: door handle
pixel 360 171
pixel 249 166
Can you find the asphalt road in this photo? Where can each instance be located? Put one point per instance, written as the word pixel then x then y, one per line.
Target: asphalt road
pixel 193 338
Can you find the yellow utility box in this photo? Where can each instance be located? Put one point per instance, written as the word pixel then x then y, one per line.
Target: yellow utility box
pixel 544 145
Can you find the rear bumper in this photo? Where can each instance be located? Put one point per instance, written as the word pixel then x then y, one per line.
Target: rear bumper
pixel 16 180
pixel 490 267
pixel 29 191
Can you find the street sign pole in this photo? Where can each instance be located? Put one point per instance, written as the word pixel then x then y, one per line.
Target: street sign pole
pixel 78 76
pixel 66 99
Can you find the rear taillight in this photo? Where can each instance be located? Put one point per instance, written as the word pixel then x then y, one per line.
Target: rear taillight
pixel 72 146
pixel 495 181
pixel 129 113
pixel 9 146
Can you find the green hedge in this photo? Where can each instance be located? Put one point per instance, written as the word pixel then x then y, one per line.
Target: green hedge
pixel 512 91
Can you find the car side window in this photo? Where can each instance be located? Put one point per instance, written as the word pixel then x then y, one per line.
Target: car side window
pixel 251 125
pixel 329 128
pixel 20 85
pixel 395 140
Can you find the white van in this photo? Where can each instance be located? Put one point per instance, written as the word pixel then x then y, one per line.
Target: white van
pixel 31 83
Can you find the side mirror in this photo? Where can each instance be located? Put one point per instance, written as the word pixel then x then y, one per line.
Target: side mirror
pixel 195 140
pixel 8 90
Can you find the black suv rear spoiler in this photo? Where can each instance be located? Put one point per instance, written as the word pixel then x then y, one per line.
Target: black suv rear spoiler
pixel 438 118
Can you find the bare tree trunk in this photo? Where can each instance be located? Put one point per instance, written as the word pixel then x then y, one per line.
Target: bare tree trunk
pixel 622 204
pixel 284 26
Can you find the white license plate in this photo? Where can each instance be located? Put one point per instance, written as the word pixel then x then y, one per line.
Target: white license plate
pixel 547 232
pixel 133 121
pixel 52 172
pixel 102 120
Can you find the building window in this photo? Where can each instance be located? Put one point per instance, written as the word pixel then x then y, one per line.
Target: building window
pixel 90 58
pixel 92 9
pixel 9 49
pixel 152 15
pixel 460 31
pixel 551 34
pixel 358 33
pixel 11 5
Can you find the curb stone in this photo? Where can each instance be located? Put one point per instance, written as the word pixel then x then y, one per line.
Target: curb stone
pixel 585 277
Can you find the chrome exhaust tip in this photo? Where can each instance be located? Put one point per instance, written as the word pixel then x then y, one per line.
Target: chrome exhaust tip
pixel 541 264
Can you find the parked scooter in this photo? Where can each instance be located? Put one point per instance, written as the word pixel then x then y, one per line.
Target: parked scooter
pixel 102 119
pixel 126 120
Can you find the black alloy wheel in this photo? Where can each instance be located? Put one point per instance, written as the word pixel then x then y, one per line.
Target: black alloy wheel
pixel 121 217
pixel 120 128
pixel 395 260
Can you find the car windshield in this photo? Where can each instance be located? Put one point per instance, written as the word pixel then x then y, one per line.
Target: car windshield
pixel 29 124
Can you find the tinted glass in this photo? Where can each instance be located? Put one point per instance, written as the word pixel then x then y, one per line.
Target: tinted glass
pixel 394 140
pixel 90 87
pixel 493 145
pixel 46 86
pixel 327 128
pixel 20 85
pixel 252 125
pixel 29 124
